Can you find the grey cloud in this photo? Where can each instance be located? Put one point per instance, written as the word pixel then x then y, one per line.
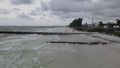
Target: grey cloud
pixel 24 16
pixel 108 13
pixel 113 12
pixel 75 15
pixel 98 13
pixel 4 11
pixel 45 6
pixel 114 15
pixel 17 9
pixel 36 11
pixel 66 5
pixel 70 8
pixel 20 2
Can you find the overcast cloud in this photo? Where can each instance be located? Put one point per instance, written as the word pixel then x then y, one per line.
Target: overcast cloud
pixel 4 11
pixel 19 2
pixel 60 10
pixel 94 7
pixel 24 16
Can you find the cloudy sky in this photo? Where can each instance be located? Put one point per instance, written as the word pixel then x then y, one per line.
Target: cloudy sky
pixel 56 12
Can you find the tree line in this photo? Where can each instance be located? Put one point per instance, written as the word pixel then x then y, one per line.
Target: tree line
pixel 78 23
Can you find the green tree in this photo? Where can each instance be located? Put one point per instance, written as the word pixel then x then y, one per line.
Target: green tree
pixel 110 25
pixel 118 22
pixel 100 24
pixel 76 23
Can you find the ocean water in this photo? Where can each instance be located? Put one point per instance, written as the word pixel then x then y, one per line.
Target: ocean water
pixel 27 28
pixel 33 51
pixel 28 51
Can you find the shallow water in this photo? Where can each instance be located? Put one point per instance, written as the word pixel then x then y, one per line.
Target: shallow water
pixel 32 51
